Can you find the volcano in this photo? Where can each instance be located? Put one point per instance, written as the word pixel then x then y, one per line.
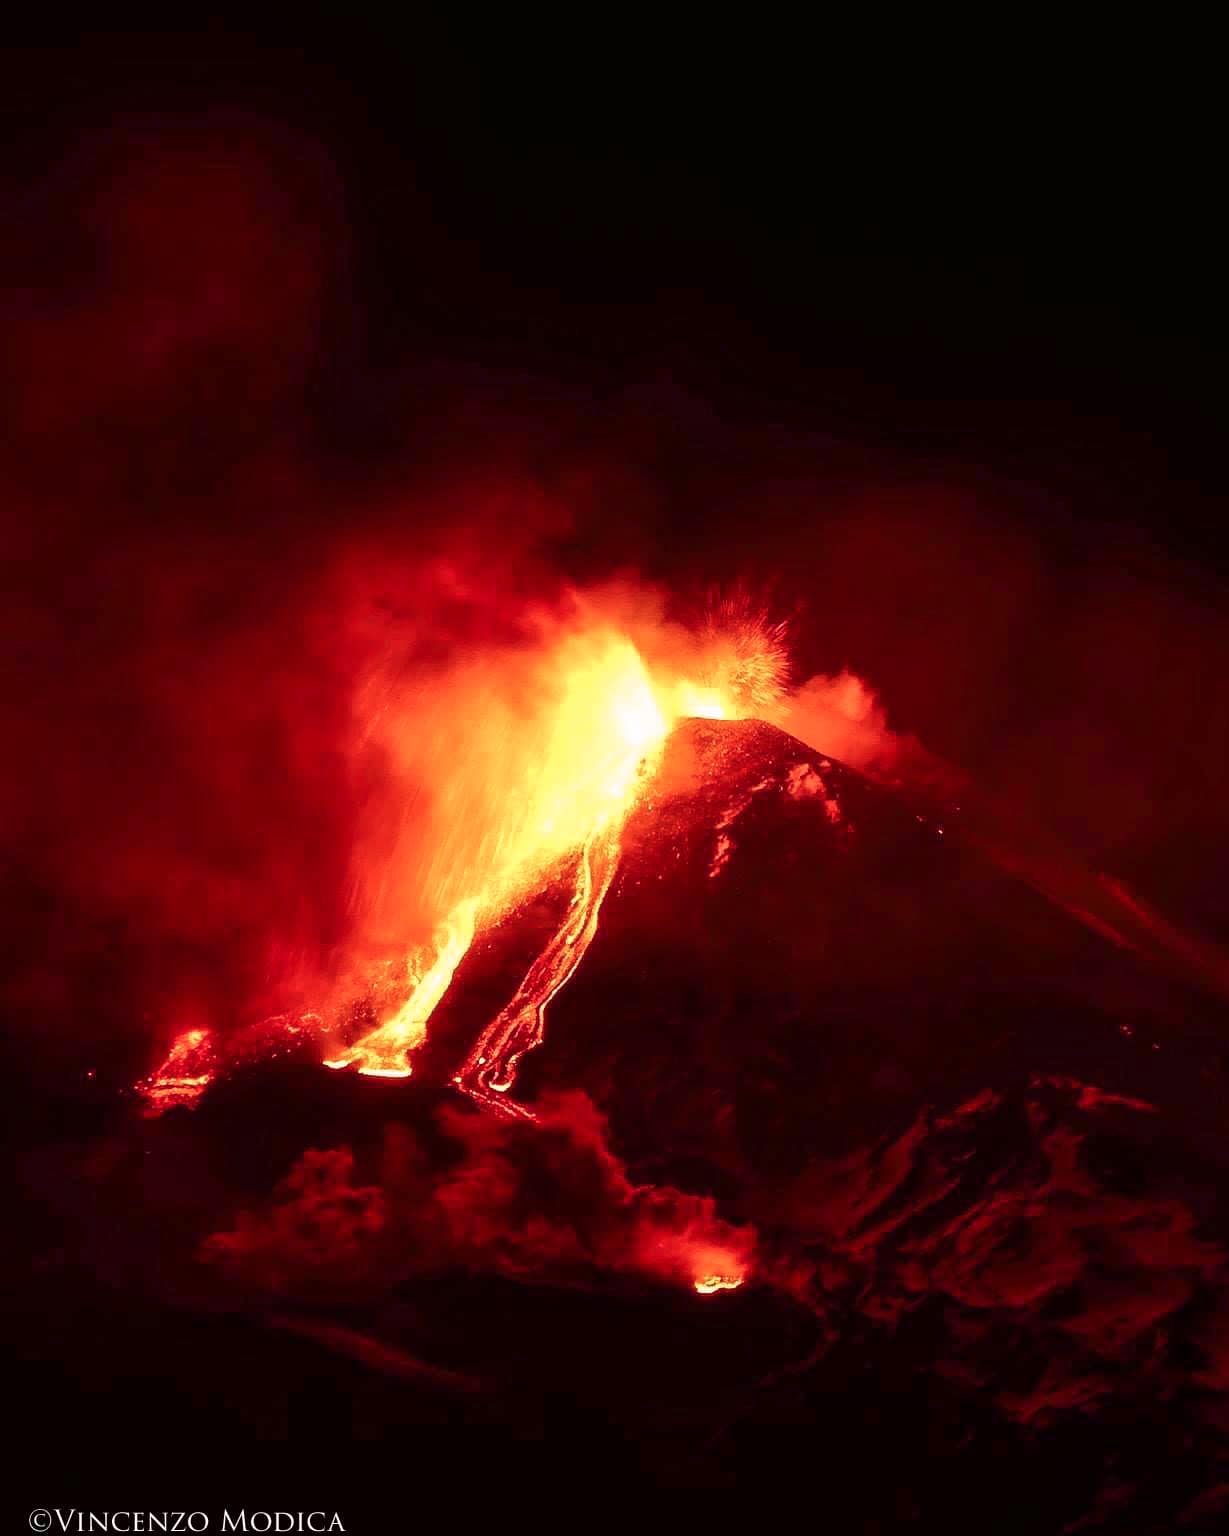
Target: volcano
pixel 815 954
pixel 939 1155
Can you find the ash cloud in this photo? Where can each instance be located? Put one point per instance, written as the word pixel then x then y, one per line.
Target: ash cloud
pixel 842 717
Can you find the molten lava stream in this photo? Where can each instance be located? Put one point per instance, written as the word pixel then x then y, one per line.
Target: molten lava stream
pixel 385 1051
pixel 490 1068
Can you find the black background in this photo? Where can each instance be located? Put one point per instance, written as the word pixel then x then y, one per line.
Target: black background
pixel 1002 252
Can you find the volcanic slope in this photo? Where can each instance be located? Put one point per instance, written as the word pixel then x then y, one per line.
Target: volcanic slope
pixel 793 960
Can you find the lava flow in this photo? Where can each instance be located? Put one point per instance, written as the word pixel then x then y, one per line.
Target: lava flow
pixel 601 717
pixel 189 1068
pixel 539 773
pixel 490 1068
pixel 531 765
pixel 504 767
pixel 572 798
pixel 384 1052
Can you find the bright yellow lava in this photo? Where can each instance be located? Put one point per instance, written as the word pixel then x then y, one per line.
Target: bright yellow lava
pixel 708 1284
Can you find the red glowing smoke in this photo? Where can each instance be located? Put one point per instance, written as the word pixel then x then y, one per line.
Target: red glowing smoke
pixel 548 1199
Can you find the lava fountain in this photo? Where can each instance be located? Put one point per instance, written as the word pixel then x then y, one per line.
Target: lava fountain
pixel 532 764
pixel 572 796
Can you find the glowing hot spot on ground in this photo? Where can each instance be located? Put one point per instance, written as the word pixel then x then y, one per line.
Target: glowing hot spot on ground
pixel 707 1285
pixel 188 1069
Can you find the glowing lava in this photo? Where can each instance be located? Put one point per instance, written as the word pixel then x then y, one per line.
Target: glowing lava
pixel 498 776
pixel 185 1073
pixel 708 1285
pixel 510 767
pixel 576 785
pixel 384 1052
pixel 490 1068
